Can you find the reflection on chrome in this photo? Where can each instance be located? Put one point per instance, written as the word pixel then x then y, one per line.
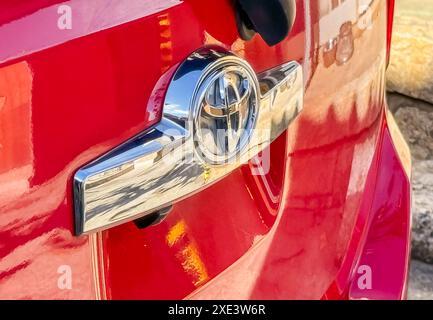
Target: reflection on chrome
pixel 217 116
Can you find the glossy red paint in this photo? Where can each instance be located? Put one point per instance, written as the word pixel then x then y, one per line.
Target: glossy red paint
pixel 336 196
pixel 386 250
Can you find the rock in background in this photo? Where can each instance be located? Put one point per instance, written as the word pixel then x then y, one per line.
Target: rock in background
pixel 415 120
pixel 421 283
pixel 422 227
pixel 411 67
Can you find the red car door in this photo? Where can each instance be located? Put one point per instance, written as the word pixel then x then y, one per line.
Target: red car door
pixel 72 90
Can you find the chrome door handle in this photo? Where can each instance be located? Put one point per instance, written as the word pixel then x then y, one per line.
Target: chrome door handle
pixel 217 115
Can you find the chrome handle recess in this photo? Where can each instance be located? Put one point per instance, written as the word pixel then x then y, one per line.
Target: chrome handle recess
pixel 217 115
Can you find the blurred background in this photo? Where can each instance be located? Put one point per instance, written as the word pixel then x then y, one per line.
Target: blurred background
pixel 410 98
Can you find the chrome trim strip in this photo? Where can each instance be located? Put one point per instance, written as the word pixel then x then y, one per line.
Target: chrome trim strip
pixel 160 165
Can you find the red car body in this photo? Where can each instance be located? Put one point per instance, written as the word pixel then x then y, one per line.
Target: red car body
pixel 336 199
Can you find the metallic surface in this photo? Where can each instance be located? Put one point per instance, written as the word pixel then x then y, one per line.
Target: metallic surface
pixel 226 113
pixel 336 195
pixel 162 165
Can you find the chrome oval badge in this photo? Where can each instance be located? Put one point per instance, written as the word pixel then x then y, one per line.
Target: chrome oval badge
pixel 227 106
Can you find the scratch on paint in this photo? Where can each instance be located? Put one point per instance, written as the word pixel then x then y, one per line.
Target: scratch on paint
pixel 193 264
pixel 176 233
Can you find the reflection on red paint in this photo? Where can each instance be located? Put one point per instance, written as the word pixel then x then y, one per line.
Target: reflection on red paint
pixel 16 149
